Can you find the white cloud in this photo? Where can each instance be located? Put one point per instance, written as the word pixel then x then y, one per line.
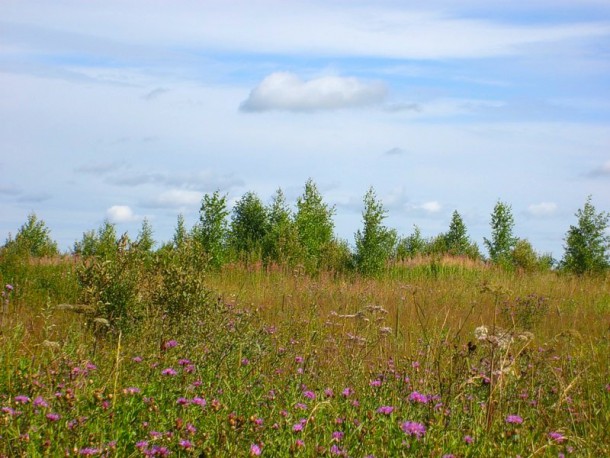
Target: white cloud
pixel 176 198
pixel 431 207
pixel 542 209
pixel 286 91
pixel 121 214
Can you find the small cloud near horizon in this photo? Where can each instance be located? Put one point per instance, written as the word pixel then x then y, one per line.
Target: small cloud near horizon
pixel 542 209
pixel 121 214
pixel 285 91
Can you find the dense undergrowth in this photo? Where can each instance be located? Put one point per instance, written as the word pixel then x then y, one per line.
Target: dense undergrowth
pixel 142 354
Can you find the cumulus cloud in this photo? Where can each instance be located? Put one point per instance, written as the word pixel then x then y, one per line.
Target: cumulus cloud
pixel 121 214
pixel 602 170
pixel 542 209
pixel 176 198
pixel 430 207
pixel 287 92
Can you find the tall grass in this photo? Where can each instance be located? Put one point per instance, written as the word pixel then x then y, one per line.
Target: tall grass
pixel 276 362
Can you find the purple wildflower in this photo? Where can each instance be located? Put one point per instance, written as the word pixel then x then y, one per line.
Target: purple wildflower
pixel 309 394
pixel 53 416
pixel 338 436
pixel 418 397
pixel 468 439
pixel 88 451
pixel 557 437
pixel 170 344
pixel 9 287
pixel 347 392
pixel 182 401
pixel 328 392
pixel 255 450
pixel 199 401
pixel 245 362
pixel 298 359
pixel 186 444
pixel 137 359
pixel 412 428
pixel 40 402
pixel 169 372
pixel 21 399
pixel 514 419
pixel 385 410
pixel 375 383
pixel 336 450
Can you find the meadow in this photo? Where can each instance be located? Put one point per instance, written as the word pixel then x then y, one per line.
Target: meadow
pixel 435 357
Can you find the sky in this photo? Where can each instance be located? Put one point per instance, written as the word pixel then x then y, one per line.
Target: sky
pixel 125 110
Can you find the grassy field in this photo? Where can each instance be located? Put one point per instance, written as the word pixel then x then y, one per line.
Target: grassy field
pixel 435 359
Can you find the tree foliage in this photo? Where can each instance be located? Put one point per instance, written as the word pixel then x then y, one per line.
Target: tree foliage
pixel 587 244
pixel 282 239
pixel 33 239
pixel 101 243
pixel 314 223
pixel 211 233
pixel 249 226
pixel 502 239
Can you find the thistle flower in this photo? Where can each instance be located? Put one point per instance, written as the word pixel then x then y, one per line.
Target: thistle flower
pixel 169 372
pixel 170 344
pixel 385 410
pixel 40 402
pixel 418 397
pixel 514 419
pixel 412 428
pixel 22 399
pixel 186 444
pixel 557 437
pixel 53 417
pixel 255 450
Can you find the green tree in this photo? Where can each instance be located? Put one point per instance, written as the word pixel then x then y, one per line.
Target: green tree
pixel 212 231
pixel 145 241
pixel 314 223
pixel 588 243
pixel 502 240
pixel 457 239
pixel 33 238
pixel 180 234
pixel 249 226
pixel 411 245
pixel 375 243
pixel 282 240
pixel 102 243
pixel 525 258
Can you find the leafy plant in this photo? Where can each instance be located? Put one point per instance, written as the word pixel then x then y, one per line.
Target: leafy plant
pixel 212 230
pixel 32 239
pixel 587 244
pixel 502 239
pixel 375 243
pixel 249 227
pixel 314 223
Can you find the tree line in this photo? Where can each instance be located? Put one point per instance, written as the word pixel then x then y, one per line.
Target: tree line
pixel 252 232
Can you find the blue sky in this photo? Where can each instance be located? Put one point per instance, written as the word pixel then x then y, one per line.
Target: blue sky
pixel 133 109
